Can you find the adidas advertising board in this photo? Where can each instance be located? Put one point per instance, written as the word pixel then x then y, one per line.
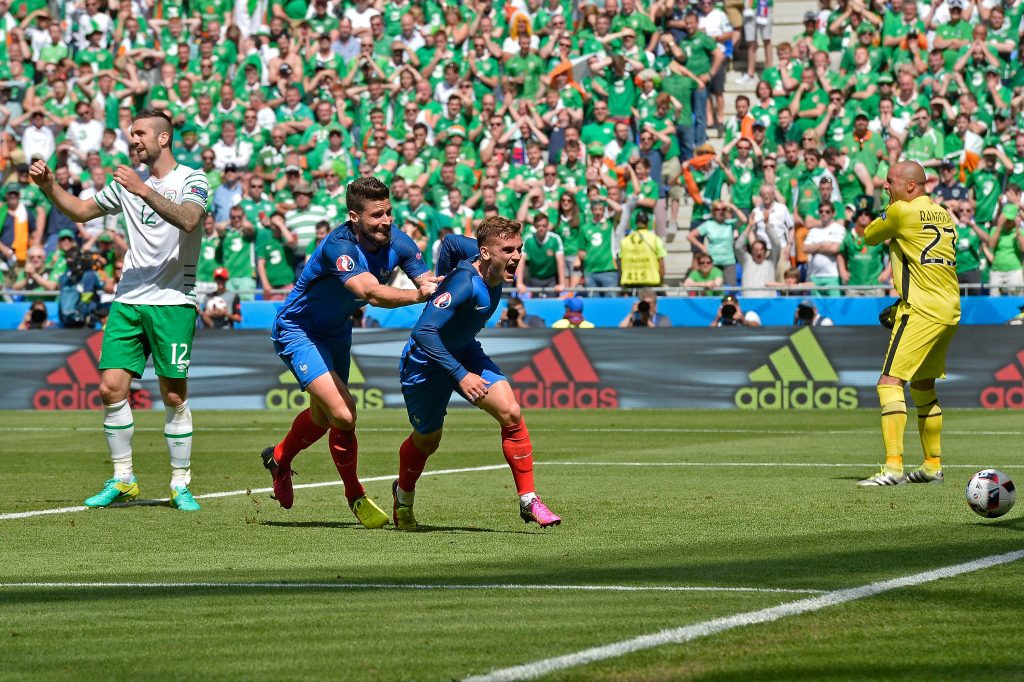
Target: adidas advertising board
pixel 797 376
pixel 772 368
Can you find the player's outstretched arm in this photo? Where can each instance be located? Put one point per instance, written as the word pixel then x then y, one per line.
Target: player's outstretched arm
pixel 79 210
pixel 186 216
pixel 366 287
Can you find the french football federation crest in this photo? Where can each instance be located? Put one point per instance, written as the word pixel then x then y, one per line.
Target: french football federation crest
pixel 443 301
pixel 345 263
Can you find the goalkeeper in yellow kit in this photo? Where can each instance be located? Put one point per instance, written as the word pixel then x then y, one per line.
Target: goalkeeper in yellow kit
pixel 922 250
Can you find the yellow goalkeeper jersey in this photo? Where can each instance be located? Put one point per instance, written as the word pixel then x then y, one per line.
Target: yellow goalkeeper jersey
pixel 922 249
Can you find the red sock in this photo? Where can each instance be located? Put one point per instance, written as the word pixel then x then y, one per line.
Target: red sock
pixel 515 443
pixel 410 465
pixel 304 432
pixel 345 452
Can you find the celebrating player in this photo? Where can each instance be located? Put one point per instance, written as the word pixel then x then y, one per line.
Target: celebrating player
pixel 443 356
pixel 313 334
pixel 922 247
pixel 154 309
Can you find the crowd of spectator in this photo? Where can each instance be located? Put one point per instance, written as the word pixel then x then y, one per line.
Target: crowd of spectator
pixel 864 85
pixel 588 121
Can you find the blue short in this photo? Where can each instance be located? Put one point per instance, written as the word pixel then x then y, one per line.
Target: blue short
pixel 428 387
pixel 309 357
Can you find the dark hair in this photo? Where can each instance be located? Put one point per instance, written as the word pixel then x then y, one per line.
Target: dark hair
pixel 165 127
pixel 496 227
pixel 364 190
pixel 574 212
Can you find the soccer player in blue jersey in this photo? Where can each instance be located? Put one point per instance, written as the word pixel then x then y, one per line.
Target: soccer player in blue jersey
pixel 313 334
pixel 443 356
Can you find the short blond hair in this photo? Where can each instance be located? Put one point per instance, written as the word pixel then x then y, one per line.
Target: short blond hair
pixel 497 227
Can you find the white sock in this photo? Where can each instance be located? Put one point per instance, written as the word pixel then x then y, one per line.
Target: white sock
pixel 119 427
pixel 404 498
pixel 525 500
pixel 178 432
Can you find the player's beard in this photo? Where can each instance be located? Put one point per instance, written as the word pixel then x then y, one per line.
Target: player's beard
pixel 379 235
pixel 148 155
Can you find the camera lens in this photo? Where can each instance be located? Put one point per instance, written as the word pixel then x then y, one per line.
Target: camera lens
pixel 643 307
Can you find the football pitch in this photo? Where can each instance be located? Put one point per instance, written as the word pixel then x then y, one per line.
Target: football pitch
pixel 695 545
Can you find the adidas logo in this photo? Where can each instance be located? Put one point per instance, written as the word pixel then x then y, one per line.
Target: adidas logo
pixel 1006 397
pixel 77 385
pixel 791 380
pixel 561 376
pixel 289 396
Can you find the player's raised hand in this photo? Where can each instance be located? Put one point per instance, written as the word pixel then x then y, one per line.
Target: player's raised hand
pixel 130 180
pixel 41 175
pixel 473 387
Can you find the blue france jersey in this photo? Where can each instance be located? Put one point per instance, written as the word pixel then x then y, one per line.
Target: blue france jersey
pixel 454 316
pixel 454 249
pixel 320 304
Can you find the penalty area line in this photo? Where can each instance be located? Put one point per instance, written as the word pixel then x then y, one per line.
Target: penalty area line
pixel 491 467
pixel 529 671
pixel 400 586
pixel 233 493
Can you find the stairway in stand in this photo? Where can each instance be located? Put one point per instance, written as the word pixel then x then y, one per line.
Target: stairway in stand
pixel 787 23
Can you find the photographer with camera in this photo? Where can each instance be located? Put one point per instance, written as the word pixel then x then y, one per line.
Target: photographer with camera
pixel 514 316
pixel 79 290
pixel 730 313
pixel 645 312
pixel 807 315
pixel 36 317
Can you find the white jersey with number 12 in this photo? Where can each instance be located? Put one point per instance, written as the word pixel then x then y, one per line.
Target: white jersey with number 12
pixel 160 266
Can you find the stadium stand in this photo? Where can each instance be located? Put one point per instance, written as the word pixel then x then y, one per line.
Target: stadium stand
pixel 622 123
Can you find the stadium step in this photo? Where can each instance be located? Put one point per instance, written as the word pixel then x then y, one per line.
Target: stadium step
pixel 787 24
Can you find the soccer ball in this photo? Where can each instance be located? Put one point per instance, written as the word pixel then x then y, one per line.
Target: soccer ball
pixel 990 493
pixel 216 304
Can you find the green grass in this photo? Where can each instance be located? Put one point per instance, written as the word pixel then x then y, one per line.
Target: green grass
pixel 799 527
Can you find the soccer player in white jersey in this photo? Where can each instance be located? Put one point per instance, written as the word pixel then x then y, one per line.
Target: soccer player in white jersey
pixel 154 309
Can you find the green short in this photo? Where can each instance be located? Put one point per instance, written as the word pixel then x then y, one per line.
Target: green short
pixel 133 332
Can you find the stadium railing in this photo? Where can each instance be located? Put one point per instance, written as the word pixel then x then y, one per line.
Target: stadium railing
pixel 609 311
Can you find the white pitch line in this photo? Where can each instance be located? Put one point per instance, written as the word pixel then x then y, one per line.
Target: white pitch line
pixel 403 586
pixel 805 465
pixel 491 467
pixel 688 633
pixel 232 493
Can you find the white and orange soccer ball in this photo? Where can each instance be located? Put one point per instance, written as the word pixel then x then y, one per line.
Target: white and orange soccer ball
pixel 990 493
